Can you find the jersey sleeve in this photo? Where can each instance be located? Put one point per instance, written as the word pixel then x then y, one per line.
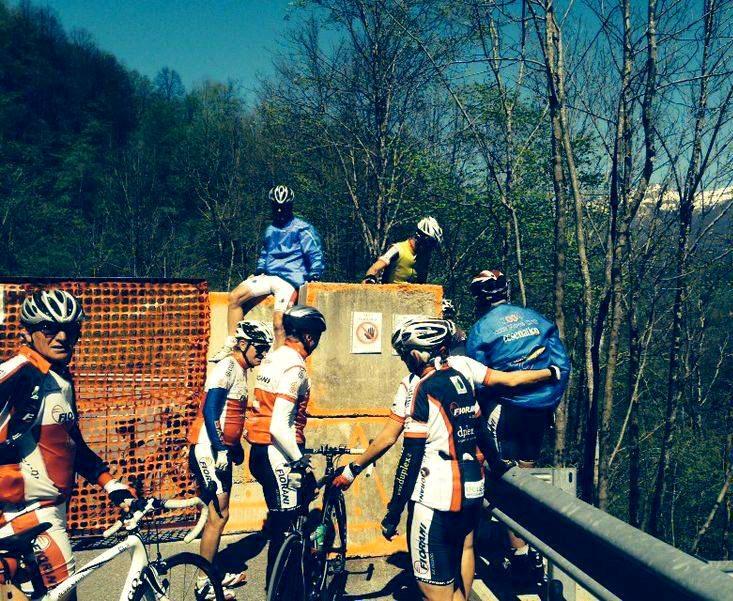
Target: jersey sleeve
pixel 399 403
pixel 390 255
pixel 222 375
pixel 311 247
pixel 416 423
pixel 292 383
pixel 476 372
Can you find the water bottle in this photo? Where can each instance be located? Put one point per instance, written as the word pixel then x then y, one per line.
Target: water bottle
pixel 318 537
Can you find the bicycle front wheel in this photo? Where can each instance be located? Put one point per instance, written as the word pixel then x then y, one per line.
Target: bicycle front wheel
pixel 329 578
pixel 181 577
pixel 286 580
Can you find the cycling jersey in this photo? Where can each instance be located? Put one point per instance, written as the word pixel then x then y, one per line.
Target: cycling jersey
pixel 41 450
pixel 266 285
pixel 41 447
pixel 510 338
pixel 220 419
pixel 404 265
pixel 282 375
pixel 442 432
pixel 292 252
pixel 476 373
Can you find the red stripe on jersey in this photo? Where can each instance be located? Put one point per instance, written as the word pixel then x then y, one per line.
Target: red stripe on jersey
pixel 58 452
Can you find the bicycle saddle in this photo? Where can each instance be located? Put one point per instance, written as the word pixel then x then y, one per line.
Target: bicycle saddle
pixel 23 541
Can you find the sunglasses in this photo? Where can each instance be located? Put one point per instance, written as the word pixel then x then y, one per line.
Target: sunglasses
pixel 261 350
pixel 51 330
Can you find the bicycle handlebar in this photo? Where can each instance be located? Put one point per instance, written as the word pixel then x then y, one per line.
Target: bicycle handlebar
pixel 142 507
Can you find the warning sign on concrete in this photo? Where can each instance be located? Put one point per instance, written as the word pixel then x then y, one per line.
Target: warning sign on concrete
pixel 397 320
pixel 366 332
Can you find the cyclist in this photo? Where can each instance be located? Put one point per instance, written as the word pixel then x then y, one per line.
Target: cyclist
pixel 476 373
pixel 275 421
pixel 510 338
pixel 41 446
pixel 443 432
pixel 291 255
pixel 215 437
pixel 408 261
pixel 458 338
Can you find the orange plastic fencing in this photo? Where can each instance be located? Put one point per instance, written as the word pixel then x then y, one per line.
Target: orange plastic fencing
pixel 139 370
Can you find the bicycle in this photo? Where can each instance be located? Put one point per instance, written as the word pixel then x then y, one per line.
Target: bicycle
pixel 302 569
pixel 157 580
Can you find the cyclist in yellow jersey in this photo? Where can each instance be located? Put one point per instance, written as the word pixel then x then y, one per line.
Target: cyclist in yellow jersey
pixel 407 261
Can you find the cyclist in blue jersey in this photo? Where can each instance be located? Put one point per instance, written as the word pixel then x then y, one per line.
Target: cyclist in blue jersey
pixel 509 338
pixel 291 255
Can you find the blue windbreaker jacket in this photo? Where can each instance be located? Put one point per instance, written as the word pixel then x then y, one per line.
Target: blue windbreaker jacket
pixel 293 252
pixel 511 338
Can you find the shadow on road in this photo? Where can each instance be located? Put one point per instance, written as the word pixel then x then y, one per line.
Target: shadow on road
pixel 402 587
pixel 235 556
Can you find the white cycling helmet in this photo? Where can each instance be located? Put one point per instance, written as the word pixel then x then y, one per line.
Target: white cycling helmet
pixel 281 195
pixel 422 333
pixel 51 306
pixel 428 227
pixel 255 331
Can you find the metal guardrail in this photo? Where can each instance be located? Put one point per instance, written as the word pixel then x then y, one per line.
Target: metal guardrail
pixel 607 556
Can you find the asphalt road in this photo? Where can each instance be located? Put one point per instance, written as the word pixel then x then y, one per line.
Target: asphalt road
pixel 375 578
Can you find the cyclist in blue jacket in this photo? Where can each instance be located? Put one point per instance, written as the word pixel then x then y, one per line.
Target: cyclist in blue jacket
pixel 509 338
pixel 291 255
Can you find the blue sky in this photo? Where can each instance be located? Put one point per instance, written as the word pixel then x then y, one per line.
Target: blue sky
pixel 218 39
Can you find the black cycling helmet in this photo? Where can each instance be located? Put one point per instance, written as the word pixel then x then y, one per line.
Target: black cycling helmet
pixel 490 286
pixel 422 333
pixel 51 306
pixel 302 318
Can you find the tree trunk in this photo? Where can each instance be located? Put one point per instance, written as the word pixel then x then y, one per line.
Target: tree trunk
pixel 687 199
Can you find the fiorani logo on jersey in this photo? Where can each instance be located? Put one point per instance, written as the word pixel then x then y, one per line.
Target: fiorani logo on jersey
pixel 42 542
pixel 60 416
pixel 456 410
pixel 367 332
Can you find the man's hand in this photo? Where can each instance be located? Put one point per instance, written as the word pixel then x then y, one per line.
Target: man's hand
pixel 370 279
pixel 122 496
pixel 236 452
pixel 345 476
pixel 298 473
pixel 389 526
pixel 222 461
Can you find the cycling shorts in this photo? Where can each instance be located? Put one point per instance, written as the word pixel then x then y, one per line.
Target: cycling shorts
pixel 269 467
pixel 435 541
pixel 201 463
pixel 52 547
pixel 265 285
pixel 519 431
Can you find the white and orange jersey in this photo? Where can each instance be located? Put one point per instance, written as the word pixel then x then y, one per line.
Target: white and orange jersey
pixel 41 447
pixel 229 375
pixel 281 374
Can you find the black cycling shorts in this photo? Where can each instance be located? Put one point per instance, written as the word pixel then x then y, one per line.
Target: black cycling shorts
pixel 519 431
pixel 435 541
pixel 208 479
pixel 269 467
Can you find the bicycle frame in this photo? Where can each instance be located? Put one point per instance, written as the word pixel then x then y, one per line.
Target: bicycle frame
pixel 139 560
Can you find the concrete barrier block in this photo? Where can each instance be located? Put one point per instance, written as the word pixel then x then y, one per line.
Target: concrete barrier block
pixel 366 500
pixel 343 383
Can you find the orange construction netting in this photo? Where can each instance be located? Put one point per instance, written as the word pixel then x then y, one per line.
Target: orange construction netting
pixel 139 371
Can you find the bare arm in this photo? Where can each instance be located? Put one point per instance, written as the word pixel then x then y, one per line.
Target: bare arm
pixel 377 268
pixel 381 444
pixel 518 378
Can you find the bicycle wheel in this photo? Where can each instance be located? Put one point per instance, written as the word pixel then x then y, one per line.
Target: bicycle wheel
pixel 175 579
pixel 331 563
pixel 286 580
